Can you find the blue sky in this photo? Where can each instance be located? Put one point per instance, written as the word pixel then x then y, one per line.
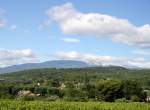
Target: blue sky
pixel 100 31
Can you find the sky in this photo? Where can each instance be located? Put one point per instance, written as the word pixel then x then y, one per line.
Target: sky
pixel 99 32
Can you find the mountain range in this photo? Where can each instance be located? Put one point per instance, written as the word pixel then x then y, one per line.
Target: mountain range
pixel 48 64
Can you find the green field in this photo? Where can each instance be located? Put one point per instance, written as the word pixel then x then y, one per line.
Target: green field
pixel 42 105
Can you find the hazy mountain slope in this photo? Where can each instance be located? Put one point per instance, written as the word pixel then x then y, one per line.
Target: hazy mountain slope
pixel 48 64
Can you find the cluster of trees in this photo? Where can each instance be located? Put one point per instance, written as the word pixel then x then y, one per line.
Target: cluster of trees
pixel 79 84
pixel 102 90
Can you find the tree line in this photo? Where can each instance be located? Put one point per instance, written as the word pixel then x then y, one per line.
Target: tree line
pixel 108 90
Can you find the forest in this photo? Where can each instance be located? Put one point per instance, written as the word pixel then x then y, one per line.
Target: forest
pixel 107 84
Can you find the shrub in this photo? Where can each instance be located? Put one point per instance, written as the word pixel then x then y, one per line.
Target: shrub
pixel 135 98
pixel 122 100
pixel 26 98
pixel 52 98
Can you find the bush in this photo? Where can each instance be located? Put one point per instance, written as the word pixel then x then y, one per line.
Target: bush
pixel 122 100
pixel 135 98
pixel 52 98
pixel 6 96
pixel 26 98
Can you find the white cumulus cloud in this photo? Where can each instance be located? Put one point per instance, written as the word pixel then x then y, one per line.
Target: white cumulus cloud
pixel 72 21
pixel 71 40
pixel 67 55
pixel 13 57
pixel 2 20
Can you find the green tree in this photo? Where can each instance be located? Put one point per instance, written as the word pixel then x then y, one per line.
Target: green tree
pixel 109 90
pixel 131 88
pixel 41 90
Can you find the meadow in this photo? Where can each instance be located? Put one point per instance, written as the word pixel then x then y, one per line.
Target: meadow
pixel 43 105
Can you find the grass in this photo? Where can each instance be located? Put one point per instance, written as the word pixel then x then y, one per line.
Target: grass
pixel 43 105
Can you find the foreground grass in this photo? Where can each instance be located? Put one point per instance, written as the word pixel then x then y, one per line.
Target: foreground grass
pixel 40 105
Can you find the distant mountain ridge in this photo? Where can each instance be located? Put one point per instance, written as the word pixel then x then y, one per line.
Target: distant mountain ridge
pixel 48 64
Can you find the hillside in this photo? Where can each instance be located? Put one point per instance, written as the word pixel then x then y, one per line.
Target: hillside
pixel 48 64
pixel 77 74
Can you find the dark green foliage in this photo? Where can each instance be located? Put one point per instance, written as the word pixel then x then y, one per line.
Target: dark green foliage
pixel 132 88
pixel 55 83
pixel 73 94
pixel 40 90
pixel 26 98
pixel 109 90
pixel 80 84
pixel 143 96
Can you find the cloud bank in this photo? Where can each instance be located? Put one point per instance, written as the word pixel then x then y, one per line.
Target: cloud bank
pixel 13 57
pixel 104 60
pixel 120 30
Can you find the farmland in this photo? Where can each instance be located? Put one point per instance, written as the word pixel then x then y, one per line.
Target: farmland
pixel 43 105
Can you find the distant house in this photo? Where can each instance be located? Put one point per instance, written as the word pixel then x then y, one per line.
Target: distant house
pixel 2 79
pixel 26 93
pixel 79 85
pixel 38 84
pixel 62 86
pixel 148 99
